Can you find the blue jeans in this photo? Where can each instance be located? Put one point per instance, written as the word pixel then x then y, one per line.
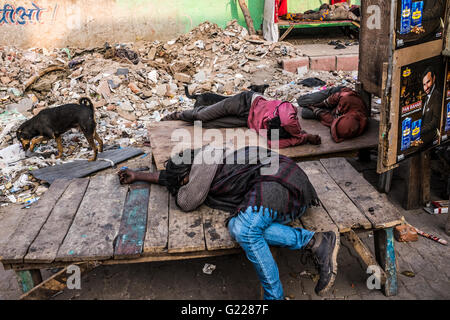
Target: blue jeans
pixel 255 230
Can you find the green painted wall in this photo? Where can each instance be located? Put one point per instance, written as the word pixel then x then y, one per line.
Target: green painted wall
pixel 194 12
pixel 303 5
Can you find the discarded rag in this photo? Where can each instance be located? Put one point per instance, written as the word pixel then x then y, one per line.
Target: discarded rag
pixel 312 82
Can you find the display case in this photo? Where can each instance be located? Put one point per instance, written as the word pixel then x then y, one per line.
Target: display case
pixel 401 61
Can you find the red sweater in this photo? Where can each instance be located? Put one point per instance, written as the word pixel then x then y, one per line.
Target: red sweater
pixel 345 104
pixel 262 111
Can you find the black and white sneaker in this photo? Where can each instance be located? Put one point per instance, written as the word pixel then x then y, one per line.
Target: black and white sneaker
pixel 325 250
pixel 308 114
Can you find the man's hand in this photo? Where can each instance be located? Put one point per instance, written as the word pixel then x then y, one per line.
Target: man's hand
pixel 127 176
pixel 314 139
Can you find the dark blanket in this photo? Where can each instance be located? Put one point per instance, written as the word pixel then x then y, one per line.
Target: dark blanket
pixel 238 186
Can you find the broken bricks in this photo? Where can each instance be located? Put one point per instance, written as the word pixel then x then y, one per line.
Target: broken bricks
pixel 208 58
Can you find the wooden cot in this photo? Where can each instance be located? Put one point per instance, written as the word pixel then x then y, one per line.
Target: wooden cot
pixel 96 221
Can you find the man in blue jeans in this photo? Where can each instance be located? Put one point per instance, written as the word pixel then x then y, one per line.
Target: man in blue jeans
pixel 260 205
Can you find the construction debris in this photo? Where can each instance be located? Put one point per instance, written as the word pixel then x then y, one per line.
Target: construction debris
pixel 405 233
pixel 132 85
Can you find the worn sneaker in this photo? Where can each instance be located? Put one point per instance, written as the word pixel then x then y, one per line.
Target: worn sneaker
pixel 325 250
pixel 308 114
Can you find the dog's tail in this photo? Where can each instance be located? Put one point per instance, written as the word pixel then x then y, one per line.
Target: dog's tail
pixel 87 103
pixel 186 91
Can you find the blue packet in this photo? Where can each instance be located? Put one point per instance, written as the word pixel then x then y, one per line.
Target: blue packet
pixel 417 13
pixel 416 128
pixel 447 123
pixel 406 134
pixel 405 20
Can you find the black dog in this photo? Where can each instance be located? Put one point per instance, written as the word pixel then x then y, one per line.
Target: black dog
pixel 209 98
pixel 52 123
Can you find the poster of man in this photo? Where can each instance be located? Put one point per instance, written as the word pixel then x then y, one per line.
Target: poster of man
pixel 421 94
pixel 446 112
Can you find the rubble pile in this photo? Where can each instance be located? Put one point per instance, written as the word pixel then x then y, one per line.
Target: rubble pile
pixel 131 85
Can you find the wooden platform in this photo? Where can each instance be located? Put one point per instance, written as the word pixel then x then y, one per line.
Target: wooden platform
pixel 285 24
pixel 94 221
pixel 289 25
pixel 170 137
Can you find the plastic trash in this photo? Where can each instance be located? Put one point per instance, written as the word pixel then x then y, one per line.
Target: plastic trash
pixel 122 71
pixel 9 116
pixel 75 63
pixel 199 44
pixel 208 268
pixel 15 92
pixel 67 51
pixel 12 154
pixel 153 76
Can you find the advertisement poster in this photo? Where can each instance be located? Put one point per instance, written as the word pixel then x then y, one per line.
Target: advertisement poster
pixel 446 112
pixel 421 93
pixel 419 21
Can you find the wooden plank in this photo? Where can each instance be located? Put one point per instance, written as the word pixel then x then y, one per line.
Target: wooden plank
pixel 385 255
pixel 338 206
pixel 46 245
pixel 374 44
pixel 317 219
pixel 217 235
pixel 143 259
pixel 130 241
pixel 96 223
pixel 56 283
pixel 185 230
pixel 411 196
pixel 163 145
pixel 285 34
pixel 364 252
pixel 375 206
pixel 425 173
pixel 283 24
pixel 28 279
pixel 417 186
pixel 384 116
pixel 16 247
pixel 157 235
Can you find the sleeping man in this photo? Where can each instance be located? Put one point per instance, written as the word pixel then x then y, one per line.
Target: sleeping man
pixel 341 109
pixel 259 204
pixel 252 110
